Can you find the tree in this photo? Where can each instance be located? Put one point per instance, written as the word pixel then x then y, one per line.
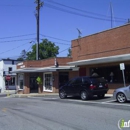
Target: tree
pixel 23 55
pixel 46 49
pixel 69 52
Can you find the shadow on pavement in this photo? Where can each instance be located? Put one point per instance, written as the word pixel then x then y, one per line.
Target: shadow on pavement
pixel 90 99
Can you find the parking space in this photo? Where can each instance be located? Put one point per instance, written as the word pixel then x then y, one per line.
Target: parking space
pixel 107 100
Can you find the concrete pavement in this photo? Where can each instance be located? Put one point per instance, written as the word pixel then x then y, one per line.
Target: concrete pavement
pixel 42 95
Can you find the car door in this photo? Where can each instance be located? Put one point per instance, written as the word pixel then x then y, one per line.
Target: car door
pixel 128 92
pixel 74 86
pixel 70 86
pixel 77 86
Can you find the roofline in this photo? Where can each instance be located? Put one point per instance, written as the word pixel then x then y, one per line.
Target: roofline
pixel 110 59
pixel 45 69
pixel 102 31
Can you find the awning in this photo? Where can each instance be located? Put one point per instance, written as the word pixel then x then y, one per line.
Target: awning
pixel 46 69
pixel 110 59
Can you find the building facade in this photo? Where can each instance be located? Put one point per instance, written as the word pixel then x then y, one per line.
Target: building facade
pixel 100 53
pixel 6 66
pixel 53 73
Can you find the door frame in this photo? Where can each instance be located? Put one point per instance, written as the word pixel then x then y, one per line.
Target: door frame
pixel 44 88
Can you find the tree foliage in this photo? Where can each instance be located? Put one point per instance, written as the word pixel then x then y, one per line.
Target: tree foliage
pixel 46 49
pixel 23 55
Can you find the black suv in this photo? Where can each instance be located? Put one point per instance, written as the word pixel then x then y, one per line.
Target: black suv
pixel 84 87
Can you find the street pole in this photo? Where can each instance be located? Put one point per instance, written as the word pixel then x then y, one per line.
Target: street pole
pixel 39 4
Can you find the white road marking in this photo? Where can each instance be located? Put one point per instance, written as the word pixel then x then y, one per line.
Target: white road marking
pixel 45 98
pixel 107 103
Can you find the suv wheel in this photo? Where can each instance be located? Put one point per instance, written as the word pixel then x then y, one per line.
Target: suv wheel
pixel 62 94
pixel 121 97
pixel 101 96
pixel 84 95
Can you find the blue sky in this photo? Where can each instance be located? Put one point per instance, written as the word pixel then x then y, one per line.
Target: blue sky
pixel 59 19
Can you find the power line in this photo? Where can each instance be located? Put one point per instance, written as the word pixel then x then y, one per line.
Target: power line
pixel 16 40
pixel 26 50
pixel 64 50
pixel 59 53
pixel 17 5
pixel 52 2
pixel 13 48
pixel 18 36
pixel 54 38
pixel 30 46
pixel 59 43
pixel 79 14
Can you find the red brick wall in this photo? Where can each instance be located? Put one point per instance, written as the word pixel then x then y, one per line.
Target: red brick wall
pixel 115 41
pixel 26 83
pixel 46 62
pixel 73 74
pixel 56 82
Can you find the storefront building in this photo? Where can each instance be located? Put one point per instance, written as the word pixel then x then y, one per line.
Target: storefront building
pixel 99 54
pixel 53 73
pixel 102 53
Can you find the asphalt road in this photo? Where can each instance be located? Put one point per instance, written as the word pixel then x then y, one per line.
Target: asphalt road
pixel 52 113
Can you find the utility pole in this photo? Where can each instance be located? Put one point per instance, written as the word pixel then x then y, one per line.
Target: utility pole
pixel 39 5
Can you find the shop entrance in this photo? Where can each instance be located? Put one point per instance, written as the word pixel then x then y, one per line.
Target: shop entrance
pixel 33 85
pixel 63 78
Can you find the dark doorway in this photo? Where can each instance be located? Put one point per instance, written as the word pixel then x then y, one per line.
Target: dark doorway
pixel 63 78
pixel 33 85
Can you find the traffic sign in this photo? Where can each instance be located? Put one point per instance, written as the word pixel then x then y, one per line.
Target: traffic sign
pixel 8 77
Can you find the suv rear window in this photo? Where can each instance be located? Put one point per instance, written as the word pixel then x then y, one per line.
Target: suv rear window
pixel 97 79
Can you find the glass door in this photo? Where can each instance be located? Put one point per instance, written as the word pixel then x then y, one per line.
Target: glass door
pixel 48 82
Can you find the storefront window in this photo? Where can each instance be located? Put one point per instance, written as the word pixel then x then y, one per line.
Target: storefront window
pixel 21 84
pixel 112 74
pixel 21 81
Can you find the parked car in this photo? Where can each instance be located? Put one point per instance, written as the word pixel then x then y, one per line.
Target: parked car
pixel 122 94
pixel 84 87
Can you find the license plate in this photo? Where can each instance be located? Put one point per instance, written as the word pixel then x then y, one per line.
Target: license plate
pixel 100 86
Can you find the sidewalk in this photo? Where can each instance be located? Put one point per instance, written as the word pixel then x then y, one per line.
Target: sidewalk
pixel 33 95
pixel 8 91
pixel 42 95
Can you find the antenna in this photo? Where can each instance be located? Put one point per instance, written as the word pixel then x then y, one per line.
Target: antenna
pixel 79 33
pixel 111 14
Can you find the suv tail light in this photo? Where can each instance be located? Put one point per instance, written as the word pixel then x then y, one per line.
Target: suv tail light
pixel 92 86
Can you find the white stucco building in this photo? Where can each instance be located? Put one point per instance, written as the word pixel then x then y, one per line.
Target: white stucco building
pixel 7 65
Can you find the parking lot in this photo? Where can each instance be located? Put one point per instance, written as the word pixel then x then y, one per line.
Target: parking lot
pixel 108 101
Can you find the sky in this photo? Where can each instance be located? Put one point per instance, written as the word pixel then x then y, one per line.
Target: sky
pixel 60 21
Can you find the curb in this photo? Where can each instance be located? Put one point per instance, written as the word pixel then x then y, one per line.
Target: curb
pixel 43 95
pixel 33 95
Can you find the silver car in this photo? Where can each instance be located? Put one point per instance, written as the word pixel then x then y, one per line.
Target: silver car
pixel 122 94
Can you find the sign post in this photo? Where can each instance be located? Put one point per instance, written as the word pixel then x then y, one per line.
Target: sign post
pixel 122 67
pixel 8 78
